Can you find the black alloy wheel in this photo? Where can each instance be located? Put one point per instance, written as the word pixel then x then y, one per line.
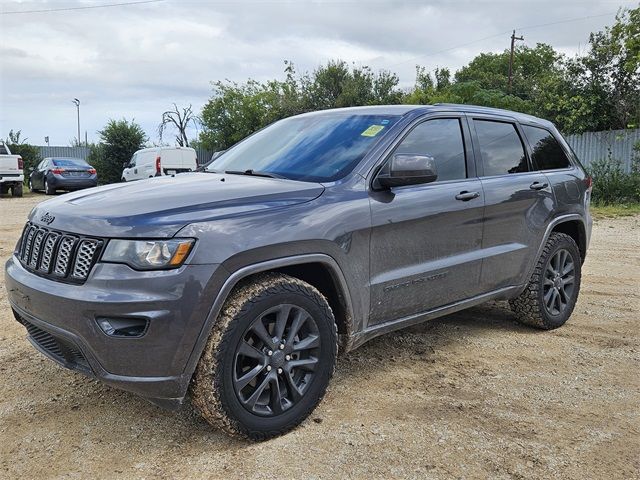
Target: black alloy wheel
pixel 276 359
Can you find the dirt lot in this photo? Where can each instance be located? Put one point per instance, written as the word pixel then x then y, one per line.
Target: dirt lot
pixel 471 395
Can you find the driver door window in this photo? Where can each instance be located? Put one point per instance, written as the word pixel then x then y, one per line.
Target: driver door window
pixel 440 138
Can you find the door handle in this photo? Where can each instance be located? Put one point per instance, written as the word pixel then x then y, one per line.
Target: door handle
pixel 466 196
pixel 538 186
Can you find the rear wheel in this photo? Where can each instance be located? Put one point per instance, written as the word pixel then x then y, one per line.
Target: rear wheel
pixel 16 190
pixel 552 292
pixel 49 190
pixel 269 358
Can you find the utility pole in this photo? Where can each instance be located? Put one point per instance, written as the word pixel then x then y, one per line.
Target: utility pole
pixel 513 41
pixel 77 104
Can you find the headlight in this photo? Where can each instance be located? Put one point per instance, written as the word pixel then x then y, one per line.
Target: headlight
pixel 148 254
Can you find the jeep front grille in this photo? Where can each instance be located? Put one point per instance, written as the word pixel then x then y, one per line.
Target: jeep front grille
pixel 58 255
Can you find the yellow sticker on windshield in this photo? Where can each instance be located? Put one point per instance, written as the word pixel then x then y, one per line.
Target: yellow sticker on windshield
pixel 372 131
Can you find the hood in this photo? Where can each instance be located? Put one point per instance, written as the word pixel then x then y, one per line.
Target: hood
pixel 159 207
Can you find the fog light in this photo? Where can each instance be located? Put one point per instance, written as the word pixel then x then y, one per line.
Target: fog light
pixel 123 327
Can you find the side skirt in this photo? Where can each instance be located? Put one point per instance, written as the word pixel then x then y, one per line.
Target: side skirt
pixel 392 325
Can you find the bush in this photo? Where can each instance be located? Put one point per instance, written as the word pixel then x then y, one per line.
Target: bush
pixel 30 156
pixel 119 140
pixel 611 185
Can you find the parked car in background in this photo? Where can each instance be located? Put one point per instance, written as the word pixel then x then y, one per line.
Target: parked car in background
pixel 69 174
pixel 11 172
pixel 158 161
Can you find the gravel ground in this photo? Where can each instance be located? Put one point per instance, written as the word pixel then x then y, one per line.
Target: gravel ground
pixel 470 395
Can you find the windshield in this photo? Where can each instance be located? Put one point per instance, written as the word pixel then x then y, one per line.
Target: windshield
pixel 69 162
pixel 318 148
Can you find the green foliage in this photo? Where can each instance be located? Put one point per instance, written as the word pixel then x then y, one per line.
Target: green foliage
pixel 599 90
pixel 30 153
pixel 237 110
pixel 119 140
pixel 611 185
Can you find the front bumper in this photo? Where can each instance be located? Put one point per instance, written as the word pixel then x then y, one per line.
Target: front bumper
pixel 61 321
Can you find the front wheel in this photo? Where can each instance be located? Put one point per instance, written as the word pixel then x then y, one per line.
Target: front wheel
pixel 269 358
pixel 552 291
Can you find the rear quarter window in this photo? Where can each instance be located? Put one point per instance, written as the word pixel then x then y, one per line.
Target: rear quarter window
pixel 546 152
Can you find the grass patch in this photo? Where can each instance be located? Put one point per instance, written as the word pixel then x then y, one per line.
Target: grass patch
pixel 614 211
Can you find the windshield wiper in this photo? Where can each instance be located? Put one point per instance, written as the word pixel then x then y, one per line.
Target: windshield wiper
pixel 253 173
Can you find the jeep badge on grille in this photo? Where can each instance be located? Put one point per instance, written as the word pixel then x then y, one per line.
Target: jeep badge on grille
pixel 47 218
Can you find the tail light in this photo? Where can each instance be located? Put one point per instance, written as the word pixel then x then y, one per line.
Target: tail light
pixel 158 165
pixel 92 171
pixel 588 182
pixel 57 171
pixel 20 163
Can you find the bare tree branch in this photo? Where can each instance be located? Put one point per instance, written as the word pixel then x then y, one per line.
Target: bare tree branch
pixel 179 120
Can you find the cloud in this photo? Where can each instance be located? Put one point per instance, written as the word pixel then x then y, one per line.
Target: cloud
pixel 134 61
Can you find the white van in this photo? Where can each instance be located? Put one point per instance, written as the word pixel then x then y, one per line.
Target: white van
pixel 156 161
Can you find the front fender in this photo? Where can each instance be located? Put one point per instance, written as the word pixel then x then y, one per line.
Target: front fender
pixel 251 269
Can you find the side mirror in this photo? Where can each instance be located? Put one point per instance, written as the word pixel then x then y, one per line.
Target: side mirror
pixel 404 169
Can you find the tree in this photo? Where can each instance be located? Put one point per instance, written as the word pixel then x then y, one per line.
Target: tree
pixel 237 110
pixel 597 91
pixel 119 140
pixel 180 121
pixel 30 153
pixel 608 75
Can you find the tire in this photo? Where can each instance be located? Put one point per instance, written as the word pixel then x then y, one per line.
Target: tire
pixel 31 189
pixel 47 189
pixel 16 190
pixel 551 294
pixel 219 389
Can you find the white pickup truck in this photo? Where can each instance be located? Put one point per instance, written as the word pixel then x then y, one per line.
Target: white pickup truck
pixel 11 172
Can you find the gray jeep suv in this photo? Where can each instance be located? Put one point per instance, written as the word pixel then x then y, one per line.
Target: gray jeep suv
pixel 239 284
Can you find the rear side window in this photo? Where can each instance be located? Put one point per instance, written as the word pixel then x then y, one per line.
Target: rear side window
pixel 547 154
pixel 500 147
pixel 440 138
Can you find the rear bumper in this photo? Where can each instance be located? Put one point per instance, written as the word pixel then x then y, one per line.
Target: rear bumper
pixel 11 178
pixel 61 321
pixel 59 181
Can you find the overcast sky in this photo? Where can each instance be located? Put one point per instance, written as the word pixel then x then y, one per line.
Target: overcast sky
pixel 133 61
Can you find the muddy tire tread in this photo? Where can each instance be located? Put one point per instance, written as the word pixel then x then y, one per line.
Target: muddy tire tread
pixel 207 400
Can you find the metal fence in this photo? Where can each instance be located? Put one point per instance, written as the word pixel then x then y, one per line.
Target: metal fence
pixel 613 144
pixel 69 152
pixel 589 146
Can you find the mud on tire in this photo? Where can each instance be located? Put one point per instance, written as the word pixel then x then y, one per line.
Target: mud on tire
pixel 532 305
pixel 215 389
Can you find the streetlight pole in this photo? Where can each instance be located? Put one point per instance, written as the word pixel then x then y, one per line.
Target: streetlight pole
pixel 77 104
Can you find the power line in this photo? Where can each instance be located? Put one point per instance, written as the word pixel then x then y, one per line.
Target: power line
pixel 86 7
pixel 528 27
